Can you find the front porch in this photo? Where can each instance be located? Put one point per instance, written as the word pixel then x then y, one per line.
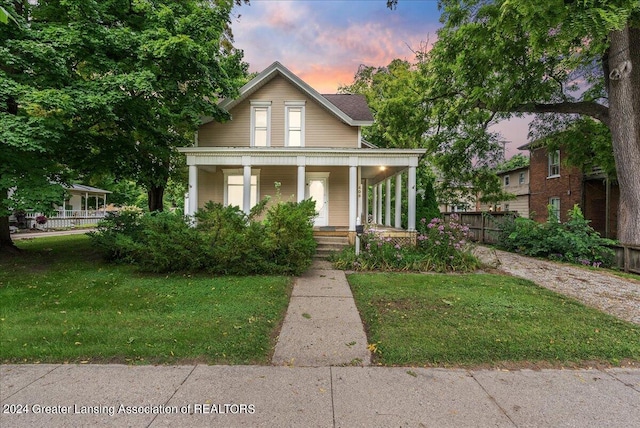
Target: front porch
pixel 341 181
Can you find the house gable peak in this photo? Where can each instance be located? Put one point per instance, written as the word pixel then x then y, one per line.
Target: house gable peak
pixel 350 109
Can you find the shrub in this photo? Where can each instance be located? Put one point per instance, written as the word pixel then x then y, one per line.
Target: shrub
pixel 440 247
pixel 117 234
pixel 225 240
pixel 289 235
pixel 574 241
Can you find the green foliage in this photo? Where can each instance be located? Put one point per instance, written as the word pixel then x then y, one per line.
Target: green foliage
pixel 225 240
pixel 426 202
pixel 516 161
pixel 107 86
pixel 440 247
pixel 574 241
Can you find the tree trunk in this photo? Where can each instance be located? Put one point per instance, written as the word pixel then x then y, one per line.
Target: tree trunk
pixel 6 243
pixel 624 105
pixel 155 194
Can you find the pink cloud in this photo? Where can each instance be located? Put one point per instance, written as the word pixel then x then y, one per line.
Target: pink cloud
pixel 323 52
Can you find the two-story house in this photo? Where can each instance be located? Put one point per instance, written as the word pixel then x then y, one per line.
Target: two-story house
pixel 554 183
pixel 283 131
pixel 516 182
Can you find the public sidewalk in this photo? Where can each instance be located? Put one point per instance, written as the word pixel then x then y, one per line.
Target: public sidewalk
pixel 249 396
pixel 44 234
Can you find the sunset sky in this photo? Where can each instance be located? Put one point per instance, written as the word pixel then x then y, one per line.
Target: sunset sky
pixel 325 41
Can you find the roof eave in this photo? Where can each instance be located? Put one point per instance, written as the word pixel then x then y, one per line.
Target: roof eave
pixel 266 75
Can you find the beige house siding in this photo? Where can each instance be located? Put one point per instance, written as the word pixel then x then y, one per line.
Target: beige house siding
pixel 322 129
pixel 521 203
pixel 211 187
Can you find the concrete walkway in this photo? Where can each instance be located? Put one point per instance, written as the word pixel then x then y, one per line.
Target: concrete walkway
pixel 33 235
pixel 322 326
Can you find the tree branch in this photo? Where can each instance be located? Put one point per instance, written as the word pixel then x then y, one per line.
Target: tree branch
pixel 586 108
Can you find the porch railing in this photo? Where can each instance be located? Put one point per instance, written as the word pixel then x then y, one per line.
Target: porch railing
pixel 98 214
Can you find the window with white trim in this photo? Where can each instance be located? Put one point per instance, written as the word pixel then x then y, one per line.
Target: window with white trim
pixel 234 187
pixel 521 178
pixel 554 211
pixel 507 178
pixel 554 163
pixel 260 123
pixel 294 124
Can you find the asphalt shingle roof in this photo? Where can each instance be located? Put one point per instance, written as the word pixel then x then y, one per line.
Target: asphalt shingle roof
pixel 353 105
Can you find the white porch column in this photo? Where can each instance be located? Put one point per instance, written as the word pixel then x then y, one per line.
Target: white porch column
pixel 398 218
pixel 86 204
pixel 246 186
pixel 193 190
pixel 365 195
pixel 374 208
pixel 387 206
pixel 301 178
pixel 411 195
pixel 353 196
pixel 379 219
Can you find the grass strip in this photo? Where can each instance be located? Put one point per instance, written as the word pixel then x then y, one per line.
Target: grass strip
pixel 484 319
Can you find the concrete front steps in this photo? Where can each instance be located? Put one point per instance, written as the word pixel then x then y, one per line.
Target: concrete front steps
pixel 328 244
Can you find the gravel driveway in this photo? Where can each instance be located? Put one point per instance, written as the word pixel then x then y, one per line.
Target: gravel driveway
pixel 610 293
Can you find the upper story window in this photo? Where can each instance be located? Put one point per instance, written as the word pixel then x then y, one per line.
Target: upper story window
pixel 521 178
pixel 294 124
pixel 260 123
pixel 506 180
pixel 554 163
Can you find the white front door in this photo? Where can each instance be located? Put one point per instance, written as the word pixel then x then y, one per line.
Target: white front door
pixel 318 190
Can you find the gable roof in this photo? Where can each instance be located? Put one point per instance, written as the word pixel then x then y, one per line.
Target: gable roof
pixel 350 109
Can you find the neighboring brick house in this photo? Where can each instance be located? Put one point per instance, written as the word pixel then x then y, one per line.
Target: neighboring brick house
pixel 553 183
pixel 514 181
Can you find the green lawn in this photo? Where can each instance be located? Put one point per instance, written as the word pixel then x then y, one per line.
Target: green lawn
pixel 480 319
pixel 61 303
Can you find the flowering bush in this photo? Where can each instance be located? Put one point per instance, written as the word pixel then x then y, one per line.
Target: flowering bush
pixel 440 247
pixel 41 219
pixel 447 242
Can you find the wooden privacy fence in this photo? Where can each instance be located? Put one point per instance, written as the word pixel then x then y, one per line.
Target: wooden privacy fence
pixel 628 257
pixel 485 229
pixel 483 226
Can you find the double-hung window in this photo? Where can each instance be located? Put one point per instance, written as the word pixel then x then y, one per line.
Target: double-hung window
pixel 260 123
pixel 234 187
pixel 554 163
pixel 507 179
pixel 521 178
pixel 554 211
pixel 294 124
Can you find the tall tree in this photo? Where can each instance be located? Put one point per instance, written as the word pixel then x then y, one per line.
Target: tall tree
pixel 113 86
pixel 496 59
